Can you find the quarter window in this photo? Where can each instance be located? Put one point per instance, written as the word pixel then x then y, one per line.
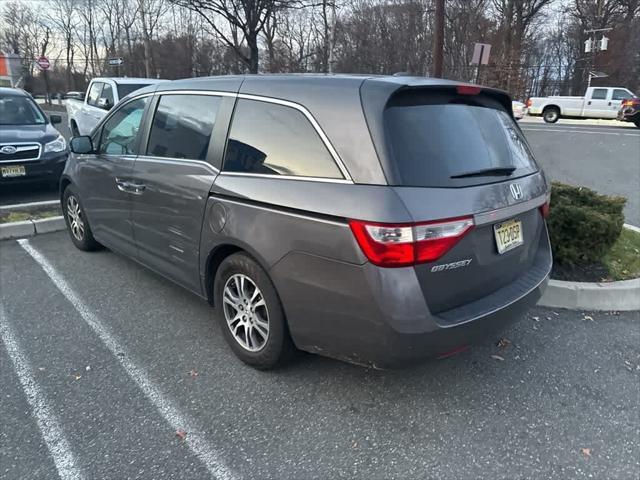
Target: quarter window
pixel 599 94
pixel 94 93
pixel 182 126
pixel 271 139
pixel 120 132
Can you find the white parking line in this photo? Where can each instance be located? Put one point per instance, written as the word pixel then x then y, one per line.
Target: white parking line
pixel 195 439
pixel 48 424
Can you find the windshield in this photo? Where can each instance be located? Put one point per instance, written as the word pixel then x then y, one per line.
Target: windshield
pixel 19 110
pixel 125 89
pixel 456 144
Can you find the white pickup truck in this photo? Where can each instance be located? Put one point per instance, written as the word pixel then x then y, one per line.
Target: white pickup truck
pixel 598 102
pixel 102 95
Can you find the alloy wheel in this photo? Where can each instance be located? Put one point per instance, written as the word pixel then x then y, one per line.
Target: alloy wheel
pixel 74 216
pixel 246 312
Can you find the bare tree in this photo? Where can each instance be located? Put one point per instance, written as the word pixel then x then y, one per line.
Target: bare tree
pixel 62 13
pixel 247 17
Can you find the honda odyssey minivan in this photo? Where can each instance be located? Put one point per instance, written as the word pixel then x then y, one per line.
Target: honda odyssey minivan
pixel 377 220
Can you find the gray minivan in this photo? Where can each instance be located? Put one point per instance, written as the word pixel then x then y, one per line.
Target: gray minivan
pixel 377 220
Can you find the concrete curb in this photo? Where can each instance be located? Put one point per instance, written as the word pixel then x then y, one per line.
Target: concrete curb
pixel 47 225
pixel 30 228
pixel 17 230
pixel 620 296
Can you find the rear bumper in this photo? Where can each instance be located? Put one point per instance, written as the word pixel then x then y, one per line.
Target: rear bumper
pixel 43 170
pixel 378 317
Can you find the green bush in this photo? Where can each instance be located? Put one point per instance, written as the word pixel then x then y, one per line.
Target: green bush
pixel 583 225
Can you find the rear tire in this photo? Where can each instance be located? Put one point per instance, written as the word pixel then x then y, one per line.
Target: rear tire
pixel 250 313
pixel 637 122
pixel 551 115
pixel 76 220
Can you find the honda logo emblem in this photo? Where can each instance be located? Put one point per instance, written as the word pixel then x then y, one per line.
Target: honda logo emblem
pixel 8 149
pixel 516 191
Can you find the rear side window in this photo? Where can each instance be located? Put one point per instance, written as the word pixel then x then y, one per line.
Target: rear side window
pixel 182 126
pixel 272 139
pixel 446 141
pixel 94 93
pixel 619 94
pixel 599 94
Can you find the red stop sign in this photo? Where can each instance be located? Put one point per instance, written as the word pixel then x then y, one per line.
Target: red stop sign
pixel 43 63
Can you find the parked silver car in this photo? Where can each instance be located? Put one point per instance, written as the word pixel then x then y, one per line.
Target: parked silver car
pixel 378 220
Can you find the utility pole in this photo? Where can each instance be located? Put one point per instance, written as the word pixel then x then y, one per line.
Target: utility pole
pixel 438 39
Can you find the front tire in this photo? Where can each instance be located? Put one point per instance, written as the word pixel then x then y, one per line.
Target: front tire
pixel 250 313
pixel 76 220
pixel 551 115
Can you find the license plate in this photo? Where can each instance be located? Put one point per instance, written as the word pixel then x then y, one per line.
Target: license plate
pixel 13 171
pixel 508 235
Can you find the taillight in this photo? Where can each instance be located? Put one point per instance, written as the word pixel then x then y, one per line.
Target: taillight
pixel 529 103
pixel 400 245
pixel 467 90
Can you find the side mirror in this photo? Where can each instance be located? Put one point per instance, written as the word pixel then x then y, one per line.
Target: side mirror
pixel 55 119
pixel 81 145
pixel 104 103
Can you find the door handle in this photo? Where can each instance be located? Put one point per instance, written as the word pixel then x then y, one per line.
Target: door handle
pixel 589 102
pixel 135 188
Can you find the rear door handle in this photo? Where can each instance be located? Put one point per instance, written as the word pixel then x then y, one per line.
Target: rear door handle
pixel 609 104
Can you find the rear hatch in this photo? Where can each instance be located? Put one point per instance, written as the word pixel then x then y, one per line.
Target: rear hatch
pixel 455 155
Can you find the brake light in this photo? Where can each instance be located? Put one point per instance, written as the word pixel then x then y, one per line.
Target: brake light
pixel 529 103
pixel 467 90
pixel 400 245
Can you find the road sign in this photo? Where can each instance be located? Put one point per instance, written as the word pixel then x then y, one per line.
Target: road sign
pixel 115 62
pixel 481 54
pixel 43 63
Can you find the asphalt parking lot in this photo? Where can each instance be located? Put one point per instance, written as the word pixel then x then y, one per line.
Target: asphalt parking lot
pixel 605 158
pixel 102 362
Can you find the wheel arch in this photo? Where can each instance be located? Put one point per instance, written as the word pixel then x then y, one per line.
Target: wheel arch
pixel 65 181
pixel 215 258
pixel 551 106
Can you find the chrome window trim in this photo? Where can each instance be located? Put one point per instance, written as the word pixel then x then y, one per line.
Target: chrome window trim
pixel 286 103
pixel 287 177
pixel 314 124
pixel 39 145
pixel 211 93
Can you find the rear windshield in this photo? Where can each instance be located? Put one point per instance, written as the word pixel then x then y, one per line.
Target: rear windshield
pixel 451 141
pixel 125 89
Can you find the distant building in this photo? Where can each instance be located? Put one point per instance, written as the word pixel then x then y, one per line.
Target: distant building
pixel 10 69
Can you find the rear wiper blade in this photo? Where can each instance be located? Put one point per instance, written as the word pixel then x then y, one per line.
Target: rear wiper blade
pixel 486 172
